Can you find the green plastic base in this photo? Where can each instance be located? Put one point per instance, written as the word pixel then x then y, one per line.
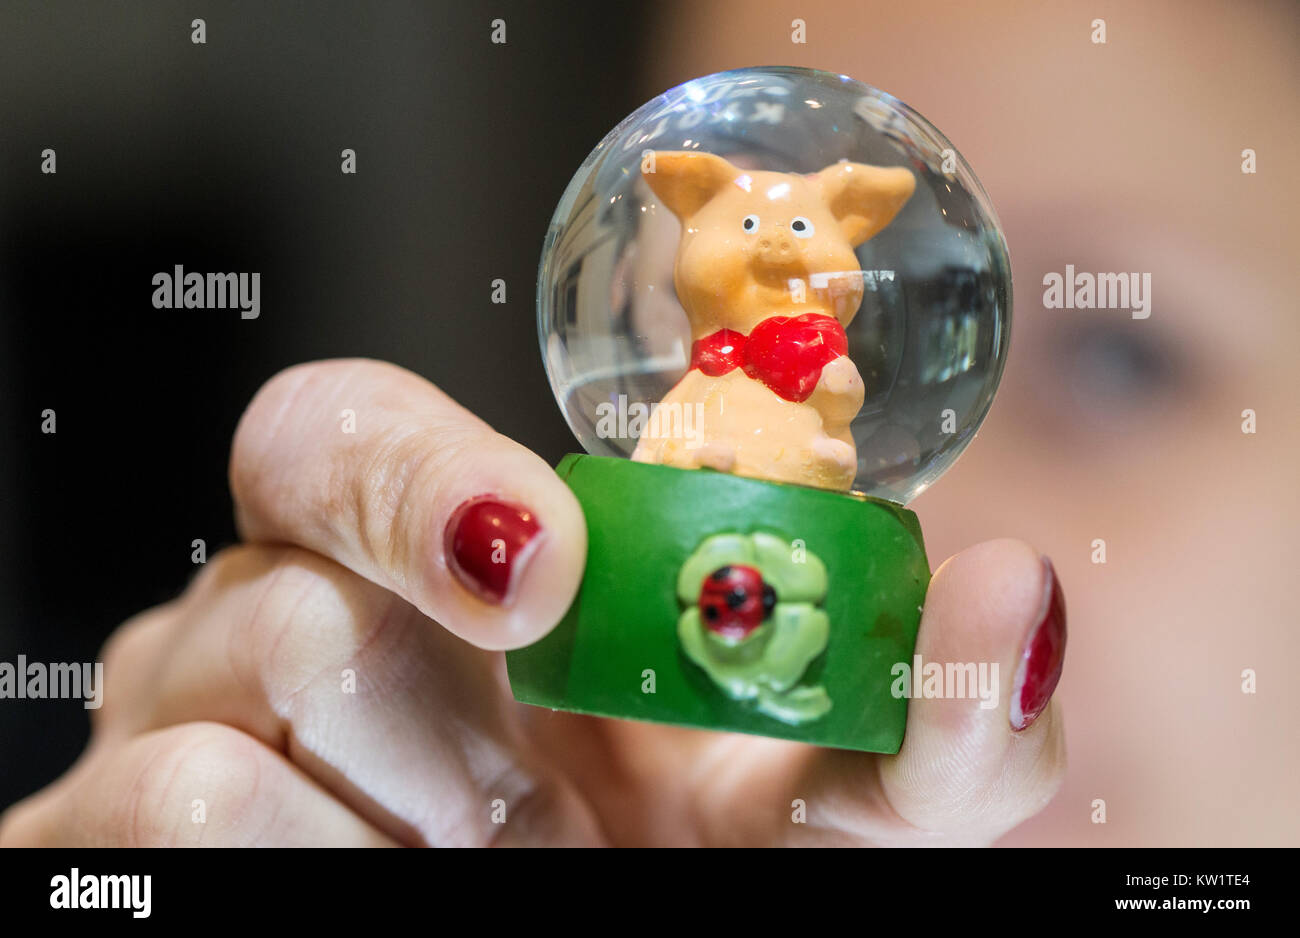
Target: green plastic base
pixel 618 653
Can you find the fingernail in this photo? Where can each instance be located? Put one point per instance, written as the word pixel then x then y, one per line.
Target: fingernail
pixel 488 544
pixel 1043 657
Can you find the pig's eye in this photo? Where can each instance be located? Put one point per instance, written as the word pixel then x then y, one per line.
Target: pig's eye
pixel 801 227
pixel 750 223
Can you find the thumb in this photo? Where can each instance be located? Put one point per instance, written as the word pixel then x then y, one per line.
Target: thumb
pixel 979 765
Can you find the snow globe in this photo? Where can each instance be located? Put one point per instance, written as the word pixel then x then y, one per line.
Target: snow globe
pixel 774 306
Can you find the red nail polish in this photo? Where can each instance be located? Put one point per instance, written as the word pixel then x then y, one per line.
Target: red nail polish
pixel 488 543
pixel 1044 656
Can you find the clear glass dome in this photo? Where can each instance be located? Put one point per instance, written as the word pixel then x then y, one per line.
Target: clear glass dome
pixel 928 338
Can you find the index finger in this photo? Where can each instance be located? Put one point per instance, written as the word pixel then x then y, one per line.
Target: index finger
pixel 377 469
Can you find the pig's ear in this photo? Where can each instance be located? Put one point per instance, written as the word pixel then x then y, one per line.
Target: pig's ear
pixel 864 198
pixel 685 181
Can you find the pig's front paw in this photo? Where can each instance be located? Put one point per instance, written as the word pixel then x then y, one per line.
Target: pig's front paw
pixel 835 457
pixel 840 378
pixel 839 393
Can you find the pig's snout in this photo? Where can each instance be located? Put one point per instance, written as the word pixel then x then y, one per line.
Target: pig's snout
pixel 777 249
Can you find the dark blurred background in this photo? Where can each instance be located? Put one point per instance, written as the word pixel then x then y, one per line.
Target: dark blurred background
pixel 225 156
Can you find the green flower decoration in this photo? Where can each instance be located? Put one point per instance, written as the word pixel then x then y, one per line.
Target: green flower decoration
pixel 756 638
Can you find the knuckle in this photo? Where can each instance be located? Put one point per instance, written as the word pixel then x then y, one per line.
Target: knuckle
pixel 275 619
pixel 282 417
pixel 129 643
pixel 127 656
pixel 261 420
pixel 305 616
pixel 171 772
pixel 138 647
pixel 383 489
pixel 383 497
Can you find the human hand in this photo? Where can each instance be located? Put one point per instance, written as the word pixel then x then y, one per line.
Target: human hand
pixel 338 679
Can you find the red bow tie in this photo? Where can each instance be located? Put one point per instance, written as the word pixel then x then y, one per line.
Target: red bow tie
pixel 786 354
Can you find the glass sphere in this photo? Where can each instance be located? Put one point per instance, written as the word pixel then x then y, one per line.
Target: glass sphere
pixel 927 316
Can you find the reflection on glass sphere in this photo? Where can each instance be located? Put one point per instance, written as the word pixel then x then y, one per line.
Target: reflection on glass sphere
pixel 925 308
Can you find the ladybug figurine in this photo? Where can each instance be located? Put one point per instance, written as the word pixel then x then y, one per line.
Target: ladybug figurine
pixel 734 601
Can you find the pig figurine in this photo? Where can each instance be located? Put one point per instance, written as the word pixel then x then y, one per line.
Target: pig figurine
pixel 767 275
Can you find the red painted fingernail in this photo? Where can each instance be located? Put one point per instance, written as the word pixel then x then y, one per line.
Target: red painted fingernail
pixel 488 543
pixel 1043 658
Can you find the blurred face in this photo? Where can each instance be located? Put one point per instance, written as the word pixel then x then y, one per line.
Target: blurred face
pixel 1117 444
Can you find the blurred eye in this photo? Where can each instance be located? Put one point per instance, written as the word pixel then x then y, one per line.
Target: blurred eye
pixel 801 227
pixel 750 224
pixel 1114 370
